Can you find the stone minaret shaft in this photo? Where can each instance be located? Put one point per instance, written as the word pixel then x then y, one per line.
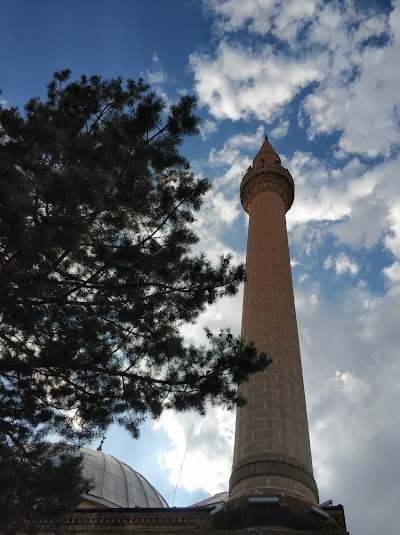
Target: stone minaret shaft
pixel 272 455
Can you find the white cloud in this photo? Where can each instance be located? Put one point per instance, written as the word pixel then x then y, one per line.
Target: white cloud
pixel 373 116
pixel 157 75
pixel 227 209
pixel 328 263
pixel 224 313
pixel 392 239
pixel 364 226
pixel 354 388
pixel 208 447
pixel 343 265
pixel 284 20
pixel 239 82
pixel 206 128
pixel 359 91
pixel 361 205
pixel 215 225
pixel 281 130
pixel 323 193
pixel 351 373
pixel 233 15
pixel 234 156
pixel 351 385
pixel 356 86
pixel 392 273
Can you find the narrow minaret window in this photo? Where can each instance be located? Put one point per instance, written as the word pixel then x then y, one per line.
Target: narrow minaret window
pixel 272 456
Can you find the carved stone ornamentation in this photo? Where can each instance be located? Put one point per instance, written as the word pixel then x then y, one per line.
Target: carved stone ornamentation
pixel 276 468
pixel 267 177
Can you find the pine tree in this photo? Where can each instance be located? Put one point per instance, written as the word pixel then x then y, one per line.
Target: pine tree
pixel 97 273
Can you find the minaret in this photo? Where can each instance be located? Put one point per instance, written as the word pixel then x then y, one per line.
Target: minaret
pixel 272 456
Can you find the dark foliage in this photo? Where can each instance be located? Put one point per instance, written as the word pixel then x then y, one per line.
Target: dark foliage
pixel 97 275
pixel 41 483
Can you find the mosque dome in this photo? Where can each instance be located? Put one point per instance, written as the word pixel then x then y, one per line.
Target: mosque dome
pixel 115 484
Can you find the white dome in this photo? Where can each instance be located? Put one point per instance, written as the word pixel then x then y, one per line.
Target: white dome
pixel 116 484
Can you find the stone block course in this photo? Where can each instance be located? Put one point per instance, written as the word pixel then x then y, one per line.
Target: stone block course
pixel 274 422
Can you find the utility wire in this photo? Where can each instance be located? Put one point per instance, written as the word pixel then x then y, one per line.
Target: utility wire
pixel 212 331
pixel 183 460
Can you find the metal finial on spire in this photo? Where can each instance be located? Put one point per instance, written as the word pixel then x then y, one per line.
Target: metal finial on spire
pixel 265 136
pixel 100 448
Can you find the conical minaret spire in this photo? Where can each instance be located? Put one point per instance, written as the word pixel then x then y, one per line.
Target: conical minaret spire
pixel 266 154
pixel 272 456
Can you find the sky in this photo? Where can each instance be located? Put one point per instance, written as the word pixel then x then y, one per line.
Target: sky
pixel 322 79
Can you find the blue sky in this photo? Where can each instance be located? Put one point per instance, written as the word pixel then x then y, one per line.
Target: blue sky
pixel 322 79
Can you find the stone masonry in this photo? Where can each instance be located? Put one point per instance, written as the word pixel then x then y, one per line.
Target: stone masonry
pixel 272 455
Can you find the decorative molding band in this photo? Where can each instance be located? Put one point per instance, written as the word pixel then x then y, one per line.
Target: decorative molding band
pixel 267 177
pixel 141 518
pixel 272 468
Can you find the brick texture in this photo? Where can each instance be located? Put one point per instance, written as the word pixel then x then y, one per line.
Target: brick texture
pixel 273 425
